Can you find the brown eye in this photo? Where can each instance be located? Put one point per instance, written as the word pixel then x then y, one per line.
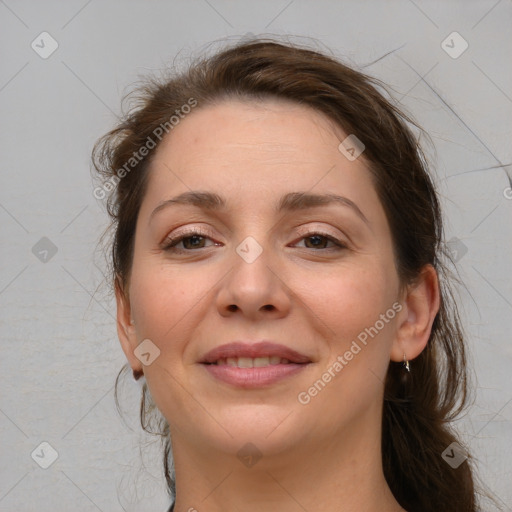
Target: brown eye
pixel 320 240
pixel 190 241
pixel 317 241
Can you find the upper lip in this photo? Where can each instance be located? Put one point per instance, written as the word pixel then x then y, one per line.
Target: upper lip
pixel 252 350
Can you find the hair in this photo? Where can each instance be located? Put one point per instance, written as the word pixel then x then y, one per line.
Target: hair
pixel 418 411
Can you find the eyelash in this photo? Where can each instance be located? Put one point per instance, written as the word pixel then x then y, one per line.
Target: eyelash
pixel 170 243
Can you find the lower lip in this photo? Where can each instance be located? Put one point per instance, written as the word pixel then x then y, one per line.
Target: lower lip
pixel 255 377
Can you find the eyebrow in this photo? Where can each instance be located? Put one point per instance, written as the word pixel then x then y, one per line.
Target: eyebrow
pixel 290 202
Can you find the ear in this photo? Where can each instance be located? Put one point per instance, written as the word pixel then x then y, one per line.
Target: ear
pixel 421 305
pixel 125 326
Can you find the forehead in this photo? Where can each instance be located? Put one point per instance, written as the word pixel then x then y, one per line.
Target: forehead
pixel 264 127
pixel 270 141
pixel 253 153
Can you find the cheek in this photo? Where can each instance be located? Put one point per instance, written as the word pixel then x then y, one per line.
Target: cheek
pixel 352 307
pixel 159 299
pixel 350 299
pixel 169 303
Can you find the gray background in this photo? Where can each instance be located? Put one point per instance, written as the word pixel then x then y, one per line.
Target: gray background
pixel 60 352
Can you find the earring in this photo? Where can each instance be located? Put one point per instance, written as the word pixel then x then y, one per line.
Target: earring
pixel 137 374
pixel 406 364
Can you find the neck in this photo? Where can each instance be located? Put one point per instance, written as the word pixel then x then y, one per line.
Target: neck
pixel 343 472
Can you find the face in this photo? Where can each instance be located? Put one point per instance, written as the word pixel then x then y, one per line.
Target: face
pixel 316 278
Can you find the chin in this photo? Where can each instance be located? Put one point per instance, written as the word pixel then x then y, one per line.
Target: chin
pixel 272 429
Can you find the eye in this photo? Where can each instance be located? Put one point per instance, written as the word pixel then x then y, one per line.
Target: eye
pixel 189 240
pixel 317 240
pixel 196 240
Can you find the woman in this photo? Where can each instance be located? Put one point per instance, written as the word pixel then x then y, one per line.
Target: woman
pixel 277 264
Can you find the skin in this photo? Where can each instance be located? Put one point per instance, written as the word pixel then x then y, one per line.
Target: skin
pixel 297 292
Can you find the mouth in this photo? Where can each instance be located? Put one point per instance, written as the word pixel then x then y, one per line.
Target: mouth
pixel 253 365
pixel 249 355
pixel 249 362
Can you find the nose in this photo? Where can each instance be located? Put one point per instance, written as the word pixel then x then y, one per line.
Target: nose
pixel 254 289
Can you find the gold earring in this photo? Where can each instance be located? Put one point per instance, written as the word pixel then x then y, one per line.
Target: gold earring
pixel 406 364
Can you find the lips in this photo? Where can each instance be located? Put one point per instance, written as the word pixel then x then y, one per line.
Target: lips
pixel 252 354
pixel 249 365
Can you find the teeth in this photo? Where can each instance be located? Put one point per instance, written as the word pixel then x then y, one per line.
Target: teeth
pixel 248 362
pixel 245 362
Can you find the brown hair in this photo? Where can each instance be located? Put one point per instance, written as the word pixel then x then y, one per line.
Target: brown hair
pixel 416 412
